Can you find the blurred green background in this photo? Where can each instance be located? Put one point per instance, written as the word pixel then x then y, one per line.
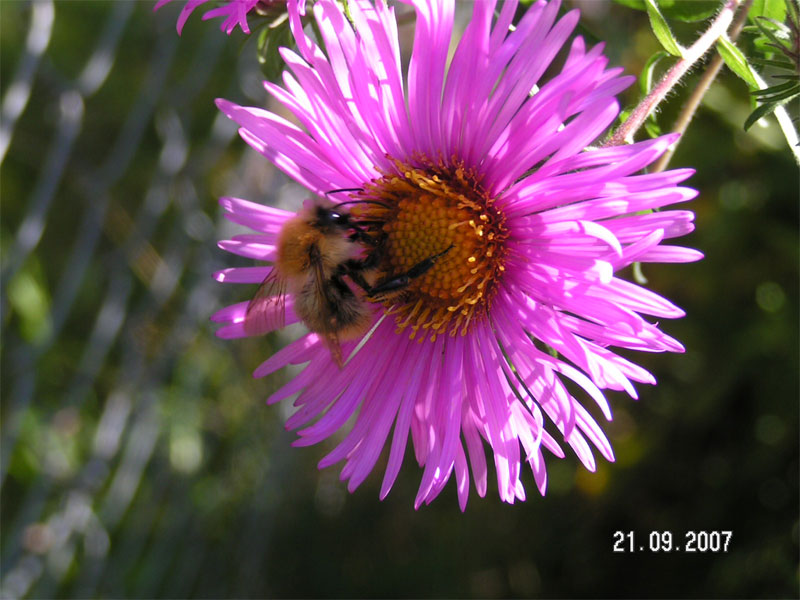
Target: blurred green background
pixel 138 457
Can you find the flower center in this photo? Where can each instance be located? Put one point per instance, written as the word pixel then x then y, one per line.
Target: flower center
pixel 433 207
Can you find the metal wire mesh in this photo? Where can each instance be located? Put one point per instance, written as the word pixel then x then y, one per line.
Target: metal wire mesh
pixel 131 290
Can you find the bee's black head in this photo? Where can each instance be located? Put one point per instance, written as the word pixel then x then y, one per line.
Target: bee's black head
pixel 330 218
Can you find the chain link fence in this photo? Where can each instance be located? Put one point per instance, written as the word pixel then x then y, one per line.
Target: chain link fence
pixel 110 145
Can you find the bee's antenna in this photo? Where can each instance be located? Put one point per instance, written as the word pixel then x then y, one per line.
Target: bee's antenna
pixel 339 191
pixel 386 206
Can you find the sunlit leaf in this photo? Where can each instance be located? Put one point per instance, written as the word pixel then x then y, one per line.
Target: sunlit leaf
pixel 775 9
pixel 766 42
pixel 661 30
pixel 778 33
pixel 736 61
pixel 781 30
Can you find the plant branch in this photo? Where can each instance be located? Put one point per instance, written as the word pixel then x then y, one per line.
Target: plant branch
pixel 686 114
pixel 624 134
pixel 785 123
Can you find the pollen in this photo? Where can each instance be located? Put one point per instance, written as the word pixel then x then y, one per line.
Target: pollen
pixel 439 208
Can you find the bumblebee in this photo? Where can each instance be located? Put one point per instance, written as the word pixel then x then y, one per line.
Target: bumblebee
pixel 318 250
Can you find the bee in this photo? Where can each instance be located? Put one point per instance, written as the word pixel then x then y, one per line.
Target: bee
pixel 318 250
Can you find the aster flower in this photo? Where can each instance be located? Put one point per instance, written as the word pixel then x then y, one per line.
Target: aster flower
pixel 484 156
pixel 234 12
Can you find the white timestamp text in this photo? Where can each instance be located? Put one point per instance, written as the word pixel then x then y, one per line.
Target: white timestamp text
pixel 666 541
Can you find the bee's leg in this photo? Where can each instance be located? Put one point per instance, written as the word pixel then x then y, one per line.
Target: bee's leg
pixel 359 235
pixel 354 267
pixel 353 271
pixel 398 282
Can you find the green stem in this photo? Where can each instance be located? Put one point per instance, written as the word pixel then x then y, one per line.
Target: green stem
pixel 688 110
pixel 624 134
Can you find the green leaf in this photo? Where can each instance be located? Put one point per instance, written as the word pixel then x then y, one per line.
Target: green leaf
pixel 759 113
pixel 763 111
pixel 776 36
pixel 635 4
pixel 623 115
pixel 793 8
pixel 766 40
pixel 736 61
pixel 638 274
pixel 761 46
pixel 775 89
pixel 775 9
pixel 689 11
pixel 780 29
pixel 646 78
pixel 783 49
pixel 661 30
pixel 786 95
pixel 262 45
pixel 270 40
pixel 778 64
pixel 652 128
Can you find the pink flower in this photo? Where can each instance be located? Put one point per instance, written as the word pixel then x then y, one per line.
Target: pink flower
pixel 234 11
pixel 484 156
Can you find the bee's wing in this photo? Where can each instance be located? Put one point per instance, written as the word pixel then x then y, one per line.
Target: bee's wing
pixel 266 311
pixel 329 333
